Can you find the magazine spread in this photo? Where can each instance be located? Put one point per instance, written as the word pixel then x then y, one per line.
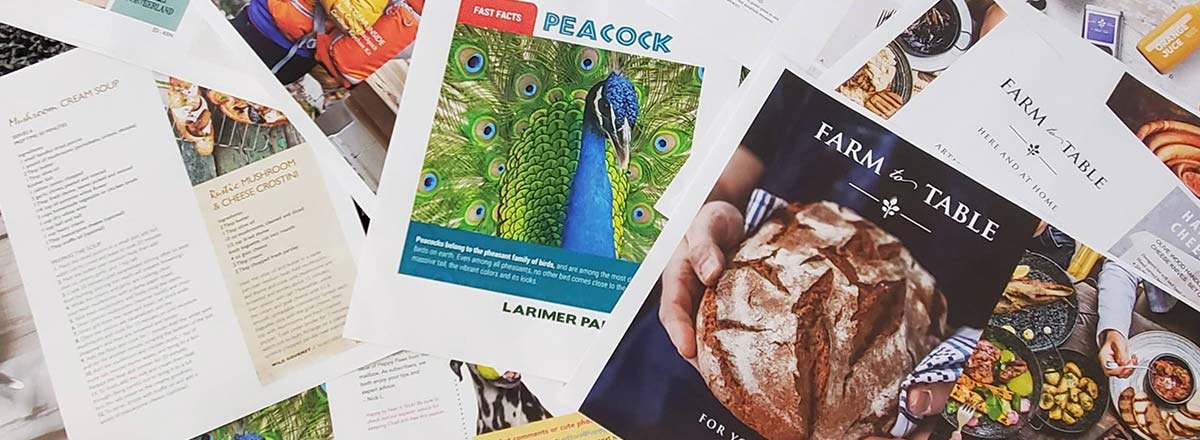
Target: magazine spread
pixel 174 240
pixel 1113 358
pixel 1063 130
pixel 537 148
pixel 854 254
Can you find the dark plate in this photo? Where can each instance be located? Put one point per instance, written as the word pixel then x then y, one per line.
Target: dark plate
pixel 988 429
pixel 1059 315
pixel 949 31
pixel 902 83
pixel 1091 369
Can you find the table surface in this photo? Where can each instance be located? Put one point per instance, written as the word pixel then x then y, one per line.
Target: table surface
pixel 1140 17
pixel 30 413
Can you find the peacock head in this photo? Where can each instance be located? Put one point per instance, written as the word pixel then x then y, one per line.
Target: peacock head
pixel 613 106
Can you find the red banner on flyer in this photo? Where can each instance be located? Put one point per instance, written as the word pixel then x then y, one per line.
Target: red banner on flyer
pixel 502 15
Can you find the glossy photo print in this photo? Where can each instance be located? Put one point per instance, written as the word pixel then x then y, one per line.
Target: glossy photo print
pixel 552 154
pixel 344 61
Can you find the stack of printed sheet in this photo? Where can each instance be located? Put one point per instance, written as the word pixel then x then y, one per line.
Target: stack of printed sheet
pixel 637 219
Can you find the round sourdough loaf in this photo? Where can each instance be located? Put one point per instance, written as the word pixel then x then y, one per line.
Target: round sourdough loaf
pixel 818 319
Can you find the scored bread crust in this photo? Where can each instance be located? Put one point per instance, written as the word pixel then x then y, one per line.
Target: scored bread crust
pixel 812 328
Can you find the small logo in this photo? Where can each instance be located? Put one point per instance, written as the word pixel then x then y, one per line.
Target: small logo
pixel 1034 150
pixel 890 207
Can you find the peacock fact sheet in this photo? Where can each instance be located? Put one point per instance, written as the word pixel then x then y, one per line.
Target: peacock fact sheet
pixel 534 143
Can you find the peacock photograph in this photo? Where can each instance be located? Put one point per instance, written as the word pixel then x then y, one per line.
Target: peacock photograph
pixel 556 144
pixel 304 416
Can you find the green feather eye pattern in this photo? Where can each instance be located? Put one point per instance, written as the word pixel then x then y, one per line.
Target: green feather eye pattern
pixel 634 172
pixel 641 214
pixel 471 61
pixel 429 184
pixel 497 168
pixel 527 86
pixel 664 142
pixel 476 213
pixel 483 130
pixel 588 61
pixel 699 75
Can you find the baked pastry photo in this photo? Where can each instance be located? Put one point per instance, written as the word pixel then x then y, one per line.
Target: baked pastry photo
pixel 816 322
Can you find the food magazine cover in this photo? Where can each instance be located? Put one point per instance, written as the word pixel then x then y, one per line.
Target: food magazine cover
pixel 832 270
pixel 538 150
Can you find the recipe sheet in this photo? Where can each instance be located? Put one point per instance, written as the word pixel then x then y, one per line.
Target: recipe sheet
pixel 853 256
pixel 542 139
pixel 175 241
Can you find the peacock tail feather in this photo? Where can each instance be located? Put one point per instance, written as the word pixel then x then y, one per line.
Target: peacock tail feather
pixel 506 138
pixel 304 416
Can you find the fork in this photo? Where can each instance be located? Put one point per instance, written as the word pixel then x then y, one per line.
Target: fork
pixel 1113 365
pixel 884 16
pixel 965 413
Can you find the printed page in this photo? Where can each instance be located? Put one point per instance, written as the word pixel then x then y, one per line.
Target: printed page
pixel 853 256
pixel 201 209
pixel 411 395
pixel 158 24
pixel 750 30
pixel 487 223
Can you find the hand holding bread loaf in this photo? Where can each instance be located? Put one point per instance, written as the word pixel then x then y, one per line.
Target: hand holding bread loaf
pixel 810 331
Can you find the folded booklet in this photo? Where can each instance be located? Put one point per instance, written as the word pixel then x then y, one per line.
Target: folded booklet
pixel 178 244
pixel 853 255
pixel 534 145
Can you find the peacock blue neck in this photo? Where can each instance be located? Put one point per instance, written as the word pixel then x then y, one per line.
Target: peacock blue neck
pixel 588 227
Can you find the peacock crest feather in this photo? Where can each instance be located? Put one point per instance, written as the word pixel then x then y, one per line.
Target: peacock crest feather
pixel 504 155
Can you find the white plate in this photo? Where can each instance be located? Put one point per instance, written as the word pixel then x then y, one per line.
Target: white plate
pixel 1146 346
